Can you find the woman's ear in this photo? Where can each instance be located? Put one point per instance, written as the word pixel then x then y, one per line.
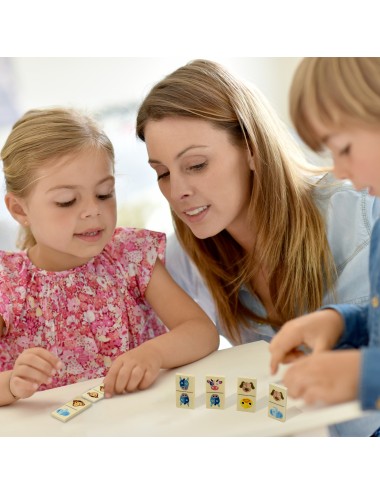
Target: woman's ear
pixel 16 207
pixel 251 161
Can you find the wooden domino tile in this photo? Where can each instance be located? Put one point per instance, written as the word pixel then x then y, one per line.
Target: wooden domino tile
pixel 93 394
pixel 215 386
pixel 71 409
pixel 246 394
pixel 185 391
pixel 277 402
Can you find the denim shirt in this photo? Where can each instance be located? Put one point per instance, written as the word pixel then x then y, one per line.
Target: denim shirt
pixel 349 216
pixel 362 330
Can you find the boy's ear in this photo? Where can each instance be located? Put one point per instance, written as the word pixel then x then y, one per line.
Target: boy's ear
pixel 16 207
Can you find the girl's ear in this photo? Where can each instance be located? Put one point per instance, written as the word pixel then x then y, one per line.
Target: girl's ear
pixel 16 207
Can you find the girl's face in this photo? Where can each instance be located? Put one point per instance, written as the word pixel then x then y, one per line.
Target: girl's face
pixel 356 154
pixel 205 178
pixel 71 210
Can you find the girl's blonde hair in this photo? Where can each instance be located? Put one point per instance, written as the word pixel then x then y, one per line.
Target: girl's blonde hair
pixel 40 137
pixel 290 233
pixel 335 92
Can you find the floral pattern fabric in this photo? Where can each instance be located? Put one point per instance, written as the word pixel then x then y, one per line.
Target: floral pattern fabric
pixel 88 315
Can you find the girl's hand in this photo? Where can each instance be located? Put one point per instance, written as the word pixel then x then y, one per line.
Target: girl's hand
pixel 33 367
pixel 326 377
pixel 135 369
pixel 318 331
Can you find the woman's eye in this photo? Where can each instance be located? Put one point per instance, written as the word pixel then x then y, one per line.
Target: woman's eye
pixel 162 175
pixel 65 204
pixel 198 167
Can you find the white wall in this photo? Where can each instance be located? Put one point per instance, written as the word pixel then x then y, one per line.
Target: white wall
pixel 96 84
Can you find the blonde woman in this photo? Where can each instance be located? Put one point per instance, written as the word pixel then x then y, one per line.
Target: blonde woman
pixel 79 301
pixel 268 235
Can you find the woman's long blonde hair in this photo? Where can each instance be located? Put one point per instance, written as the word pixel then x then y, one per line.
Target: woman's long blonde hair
pixel 334 91
pixel 290 233
pixel 38 139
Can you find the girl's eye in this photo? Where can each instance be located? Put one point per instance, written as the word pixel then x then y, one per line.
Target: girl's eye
pixel 104 197
pixel 345 150
pixel 65 204
pixel 163 175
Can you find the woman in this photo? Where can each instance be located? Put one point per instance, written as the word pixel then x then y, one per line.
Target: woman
pixel 271 236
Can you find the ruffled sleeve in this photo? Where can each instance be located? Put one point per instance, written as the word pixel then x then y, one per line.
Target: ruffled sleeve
pixel 136 252
pixel 12 288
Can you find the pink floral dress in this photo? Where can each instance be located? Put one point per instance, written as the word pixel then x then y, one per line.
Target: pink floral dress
pixel 88 315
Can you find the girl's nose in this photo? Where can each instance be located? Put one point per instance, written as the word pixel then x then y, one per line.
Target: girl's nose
pixel 91 209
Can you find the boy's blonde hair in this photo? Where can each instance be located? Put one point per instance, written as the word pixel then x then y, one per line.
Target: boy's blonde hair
pixel 335 92
pixel 38 139
pixel 290 233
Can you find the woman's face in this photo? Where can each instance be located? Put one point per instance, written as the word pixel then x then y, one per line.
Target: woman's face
pixel 203 175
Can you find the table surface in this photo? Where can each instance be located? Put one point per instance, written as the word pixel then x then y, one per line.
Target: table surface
pixel 153 412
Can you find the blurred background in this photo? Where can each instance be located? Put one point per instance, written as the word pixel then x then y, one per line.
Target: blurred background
pixel 112 89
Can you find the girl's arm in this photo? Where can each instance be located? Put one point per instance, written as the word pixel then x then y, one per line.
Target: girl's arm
pixel 191 336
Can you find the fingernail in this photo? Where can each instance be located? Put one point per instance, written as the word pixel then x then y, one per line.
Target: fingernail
pixel 107 395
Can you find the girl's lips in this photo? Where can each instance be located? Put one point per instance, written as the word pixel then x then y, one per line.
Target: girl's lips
pixel 89 235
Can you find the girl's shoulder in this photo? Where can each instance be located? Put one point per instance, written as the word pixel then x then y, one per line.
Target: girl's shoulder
pixel 12 264
pixel 130 242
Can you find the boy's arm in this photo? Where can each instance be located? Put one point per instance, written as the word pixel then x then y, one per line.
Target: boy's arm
pixel 355 333
pixel 369 389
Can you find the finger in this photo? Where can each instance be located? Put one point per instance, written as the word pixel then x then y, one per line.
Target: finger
pixel 285 342
pixel 23 388
pixel 32 374
pixel 28 361
pixel 131 379
pixel 110 379
pixel 148 378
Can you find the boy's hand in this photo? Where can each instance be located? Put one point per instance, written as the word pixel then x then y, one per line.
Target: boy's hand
pixel 326 377
pixel 33 367
pixel 135 369
pixel 318 331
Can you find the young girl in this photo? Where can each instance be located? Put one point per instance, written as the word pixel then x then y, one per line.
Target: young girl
pixel 271 236
pixel 79 301
pixel 335 102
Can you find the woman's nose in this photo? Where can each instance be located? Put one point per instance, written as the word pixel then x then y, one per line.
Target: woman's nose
pixel 179 187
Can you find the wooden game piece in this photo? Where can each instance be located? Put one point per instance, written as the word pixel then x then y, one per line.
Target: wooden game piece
pixel 71 409
pixel 185 391
pixel 93 395
pixel 277 402
pixel 246 394
pixel 215 388
pixel 64 413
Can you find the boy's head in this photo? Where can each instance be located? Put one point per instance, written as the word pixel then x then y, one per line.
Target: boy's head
pixel 334 92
